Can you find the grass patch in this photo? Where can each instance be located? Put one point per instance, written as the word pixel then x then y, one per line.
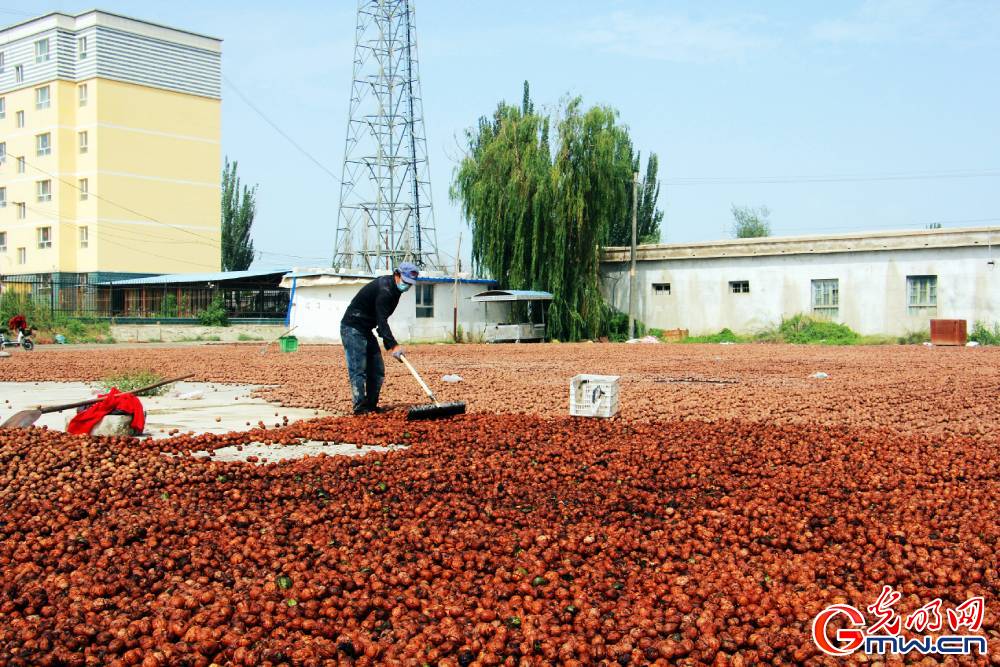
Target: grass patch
pixel 724 336
pixel 247 337
pixel 984 335
pixel 915 338
pixel 806 330
pixel 202 338
pixel 131 380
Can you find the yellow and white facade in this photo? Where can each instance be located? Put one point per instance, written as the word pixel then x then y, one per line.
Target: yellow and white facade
pixel 110 148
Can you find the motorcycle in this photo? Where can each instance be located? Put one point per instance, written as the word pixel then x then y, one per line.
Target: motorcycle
pixel 25 342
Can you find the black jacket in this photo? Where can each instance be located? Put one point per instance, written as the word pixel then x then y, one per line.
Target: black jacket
pixel 371 307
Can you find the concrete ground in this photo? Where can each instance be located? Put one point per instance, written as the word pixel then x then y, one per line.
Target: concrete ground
pixel 220 409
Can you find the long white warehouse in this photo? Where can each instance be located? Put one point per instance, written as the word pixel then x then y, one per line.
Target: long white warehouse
pixel 876 283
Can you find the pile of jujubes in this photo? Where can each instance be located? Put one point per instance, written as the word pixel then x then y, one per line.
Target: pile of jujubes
pixel 488 540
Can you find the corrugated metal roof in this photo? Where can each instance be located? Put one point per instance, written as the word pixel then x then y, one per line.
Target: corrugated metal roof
pixel 513 295
pixel 177 278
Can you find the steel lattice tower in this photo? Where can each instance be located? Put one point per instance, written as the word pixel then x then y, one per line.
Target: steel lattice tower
pixel 385 214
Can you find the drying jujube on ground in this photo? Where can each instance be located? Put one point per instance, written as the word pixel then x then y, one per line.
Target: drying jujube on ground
pixel 491 539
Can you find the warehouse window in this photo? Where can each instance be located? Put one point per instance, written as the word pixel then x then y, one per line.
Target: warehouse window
pixel 44 237
pixel 42 50
pixel 18 73
pixel 43 97
pixel 84 236
pixel 43 144
pixel 826 298
pixel 22 256
pixel 44 190
pixel 425 300
pixel 3 241
pixel 921 295
pixel 84 142
pixel 3 105
pixel 82 88
pixel 3 197
pixel 661 289
pixel 20 118
pixel 739 286
pixel 84 189
pixel 82 47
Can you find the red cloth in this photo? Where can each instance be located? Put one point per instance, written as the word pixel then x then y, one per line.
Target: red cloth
pixel 83 422
pixel 17 323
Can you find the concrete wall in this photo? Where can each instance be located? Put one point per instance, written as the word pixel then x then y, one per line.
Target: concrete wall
pixel 172 333
pixel 317 310
pixel 872 286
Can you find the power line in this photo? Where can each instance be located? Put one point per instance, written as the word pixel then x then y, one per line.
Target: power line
pixel 277 129
pixel 843 178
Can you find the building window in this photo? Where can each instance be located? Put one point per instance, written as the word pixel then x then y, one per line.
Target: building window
pixel 44 190
pixel 43 144
pixel 3 107
pixel 20 118
pixel 739 286
pixel 82 47
pixel 3 197
pixel 42 50
pixel 84 189
pixel 83 94
pixel 18 73
pixel 3 241
pixel 826 298
pixel 2 59
pixel 22 256
pixel 44 237
pixel 43 97
pixel 22 210
pixel 425 300
pixel 922 294
pixel 20 165
pixel 84 144
pixel 661 289
pixel 84 236
pixel 3 152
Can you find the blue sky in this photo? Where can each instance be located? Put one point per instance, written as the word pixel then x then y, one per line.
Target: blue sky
pixel 834 101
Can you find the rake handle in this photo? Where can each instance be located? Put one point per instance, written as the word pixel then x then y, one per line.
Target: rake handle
pixel 91 401
pixel 409 366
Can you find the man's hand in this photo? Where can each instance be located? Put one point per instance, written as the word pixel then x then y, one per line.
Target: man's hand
pixel 397 352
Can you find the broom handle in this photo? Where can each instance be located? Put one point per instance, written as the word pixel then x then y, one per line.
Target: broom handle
pixel 427 390
pixel 91 401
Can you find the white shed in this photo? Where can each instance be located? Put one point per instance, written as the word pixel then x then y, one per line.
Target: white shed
pixel 426 313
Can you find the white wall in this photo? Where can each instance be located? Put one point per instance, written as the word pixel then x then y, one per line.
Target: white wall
pixel 873 297
pixel 317 311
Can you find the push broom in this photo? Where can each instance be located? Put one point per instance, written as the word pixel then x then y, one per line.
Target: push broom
pixel 435 410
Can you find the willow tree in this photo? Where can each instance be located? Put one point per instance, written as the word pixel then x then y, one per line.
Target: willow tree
pixel 540 207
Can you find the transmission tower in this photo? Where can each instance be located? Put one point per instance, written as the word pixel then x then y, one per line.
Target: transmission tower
pixel 385 214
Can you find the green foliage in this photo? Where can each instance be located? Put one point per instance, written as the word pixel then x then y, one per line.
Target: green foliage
pixel 984 335
pixel 751 222
pixel 915 337
pixel 459 335
pixel 648 217
pixel 215 315
pixel 247 337
pixel 168 307
pixel 724 336
pixel 47 325
pixel 540 207
pixel 239 207
pixel 131 380
pixel 616 326
pixel 804 329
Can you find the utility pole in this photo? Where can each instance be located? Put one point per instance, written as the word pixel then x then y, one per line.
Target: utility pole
pixel 458 267
pixel 631 273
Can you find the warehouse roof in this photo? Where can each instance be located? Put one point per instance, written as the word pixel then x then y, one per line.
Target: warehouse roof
pixel 805 245
pixel 513 295
pixel 188 278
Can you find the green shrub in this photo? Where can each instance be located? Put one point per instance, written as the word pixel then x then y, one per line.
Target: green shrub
pixel 616 326
pixel 132 380
pixel 982 334
pixel 215 315
pixel 804 329
pixel 724 336
pixel 168 307
pixel 247 337
pixel 914 337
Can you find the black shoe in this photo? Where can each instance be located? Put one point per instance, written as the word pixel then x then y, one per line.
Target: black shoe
pixel 377 410
pixel 361 411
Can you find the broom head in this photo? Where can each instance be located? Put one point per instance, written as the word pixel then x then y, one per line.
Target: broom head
pixel 435 411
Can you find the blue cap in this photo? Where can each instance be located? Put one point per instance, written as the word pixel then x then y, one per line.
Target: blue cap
pixel 408 272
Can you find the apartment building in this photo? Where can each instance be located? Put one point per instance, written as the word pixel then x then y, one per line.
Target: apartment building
pixel 110 148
